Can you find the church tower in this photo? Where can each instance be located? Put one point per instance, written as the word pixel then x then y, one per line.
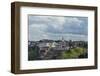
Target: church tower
pixel 63 42
pixel 62 39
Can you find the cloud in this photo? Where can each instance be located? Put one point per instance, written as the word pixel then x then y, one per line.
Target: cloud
pixel 52 27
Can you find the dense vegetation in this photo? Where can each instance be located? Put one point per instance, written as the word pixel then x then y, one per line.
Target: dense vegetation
pixel 33 53
pixel 74 53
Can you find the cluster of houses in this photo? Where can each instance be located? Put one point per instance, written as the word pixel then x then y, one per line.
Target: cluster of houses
pixel 51 48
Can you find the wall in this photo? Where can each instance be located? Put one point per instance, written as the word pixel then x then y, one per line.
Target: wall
pixel 5 42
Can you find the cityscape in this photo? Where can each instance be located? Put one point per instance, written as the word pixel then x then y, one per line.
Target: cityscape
pixel 57 37
pixel 57 49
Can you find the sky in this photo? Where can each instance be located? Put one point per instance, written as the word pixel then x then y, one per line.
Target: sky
pixel 55 27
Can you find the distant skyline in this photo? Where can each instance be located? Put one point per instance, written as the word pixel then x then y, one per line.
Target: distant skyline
pixel 54 27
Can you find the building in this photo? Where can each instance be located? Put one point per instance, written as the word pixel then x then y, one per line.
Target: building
pixel 50 48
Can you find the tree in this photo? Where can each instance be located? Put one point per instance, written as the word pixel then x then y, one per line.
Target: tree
pixel 70 44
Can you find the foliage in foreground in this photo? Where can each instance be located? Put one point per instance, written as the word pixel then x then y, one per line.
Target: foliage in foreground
pixel 32 53
pixel 74 53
